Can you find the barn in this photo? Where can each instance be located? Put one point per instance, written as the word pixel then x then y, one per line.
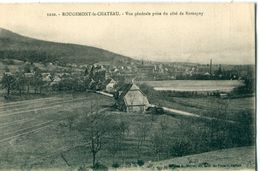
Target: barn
pixel 131 99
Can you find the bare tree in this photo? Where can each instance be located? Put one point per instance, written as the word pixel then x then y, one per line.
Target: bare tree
pixel 118 132
pixel 219 127
pixel 8 82
pixel 19 82
pixel 141 135
pixel 37 82
pixel 161 139
pixel 95 128
pixel 156 144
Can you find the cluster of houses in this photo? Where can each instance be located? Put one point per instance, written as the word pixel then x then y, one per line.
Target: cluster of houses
pixel 180 71
pixel 128 96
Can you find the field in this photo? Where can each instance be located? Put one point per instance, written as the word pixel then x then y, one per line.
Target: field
pixel 230 109
pixel 228 159
pixel 39 133
pixel 211 106
pixel 242 158
pixel 35 133
pixel 32 130
pixel 195 85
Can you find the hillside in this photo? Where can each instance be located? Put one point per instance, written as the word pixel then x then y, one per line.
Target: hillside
pixel 241 157
pixel 15 46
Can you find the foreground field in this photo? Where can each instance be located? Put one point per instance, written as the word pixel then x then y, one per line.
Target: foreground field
pixel 42 134
pixel 234 159
pixel 31 130
pixel 39 133
pixel 242 158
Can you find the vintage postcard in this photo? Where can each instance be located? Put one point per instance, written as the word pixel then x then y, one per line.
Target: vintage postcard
pixel 118 87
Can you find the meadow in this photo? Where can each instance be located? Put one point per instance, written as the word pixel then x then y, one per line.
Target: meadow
pixel 44 133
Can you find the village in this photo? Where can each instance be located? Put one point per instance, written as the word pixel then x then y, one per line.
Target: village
pixel 120 82
pixel 67 98
pixel 54 73
pixel 69 106
pixel 115 81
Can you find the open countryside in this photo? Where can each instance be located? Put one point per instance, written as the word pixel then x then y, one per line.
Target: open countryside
pixel 45 133
pixel 66 106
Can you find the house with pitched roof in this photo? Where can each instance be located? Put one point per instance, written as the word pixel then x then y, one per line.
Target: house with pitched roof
pixel 131 99
pixel 110 85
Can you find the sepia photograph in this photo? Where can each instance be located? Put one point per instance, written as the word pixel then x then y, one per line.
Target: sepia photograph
pixel 128 87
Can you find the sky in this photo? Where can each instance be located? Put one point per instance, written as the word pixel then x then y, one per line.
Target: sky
pixel 224 33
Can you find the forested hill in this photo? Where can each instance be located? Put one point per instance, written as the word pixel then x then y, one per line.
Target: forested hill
pixel 15 46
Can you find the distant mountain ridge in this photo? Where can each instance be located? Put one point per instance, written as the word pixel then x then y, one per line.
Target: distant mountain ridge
pixel 15 46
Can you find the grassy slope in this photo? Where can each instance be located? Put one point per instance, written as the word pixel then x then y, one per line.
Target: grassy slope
pixel 15 46
pixel 237 157
pixel 205 106
pixel 44 148
pixel 230 109
pixel 79 154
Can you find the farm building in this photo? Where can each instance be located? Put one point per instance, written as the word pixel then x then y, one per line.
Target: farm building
pixel 131 99
pixel 56 80
pixel 46 77
pixel 110 85
pixel 29 75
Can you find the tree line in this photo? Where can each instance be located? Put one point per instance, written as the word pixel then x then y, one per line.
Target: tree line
pixel 19 82
pixel 30 77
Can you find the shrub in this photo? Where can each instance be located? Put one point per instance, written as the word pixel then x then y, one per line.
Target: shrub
pixel 204 164
pixel 150 165
pixel 173 166
pixel 100 166
pixel 140 162
pixel 181 147
pixel 82 168
pixel 115 165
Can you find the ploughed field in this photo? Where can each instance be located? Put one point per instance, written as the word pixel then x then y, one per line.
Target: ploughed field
pixel 31 130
